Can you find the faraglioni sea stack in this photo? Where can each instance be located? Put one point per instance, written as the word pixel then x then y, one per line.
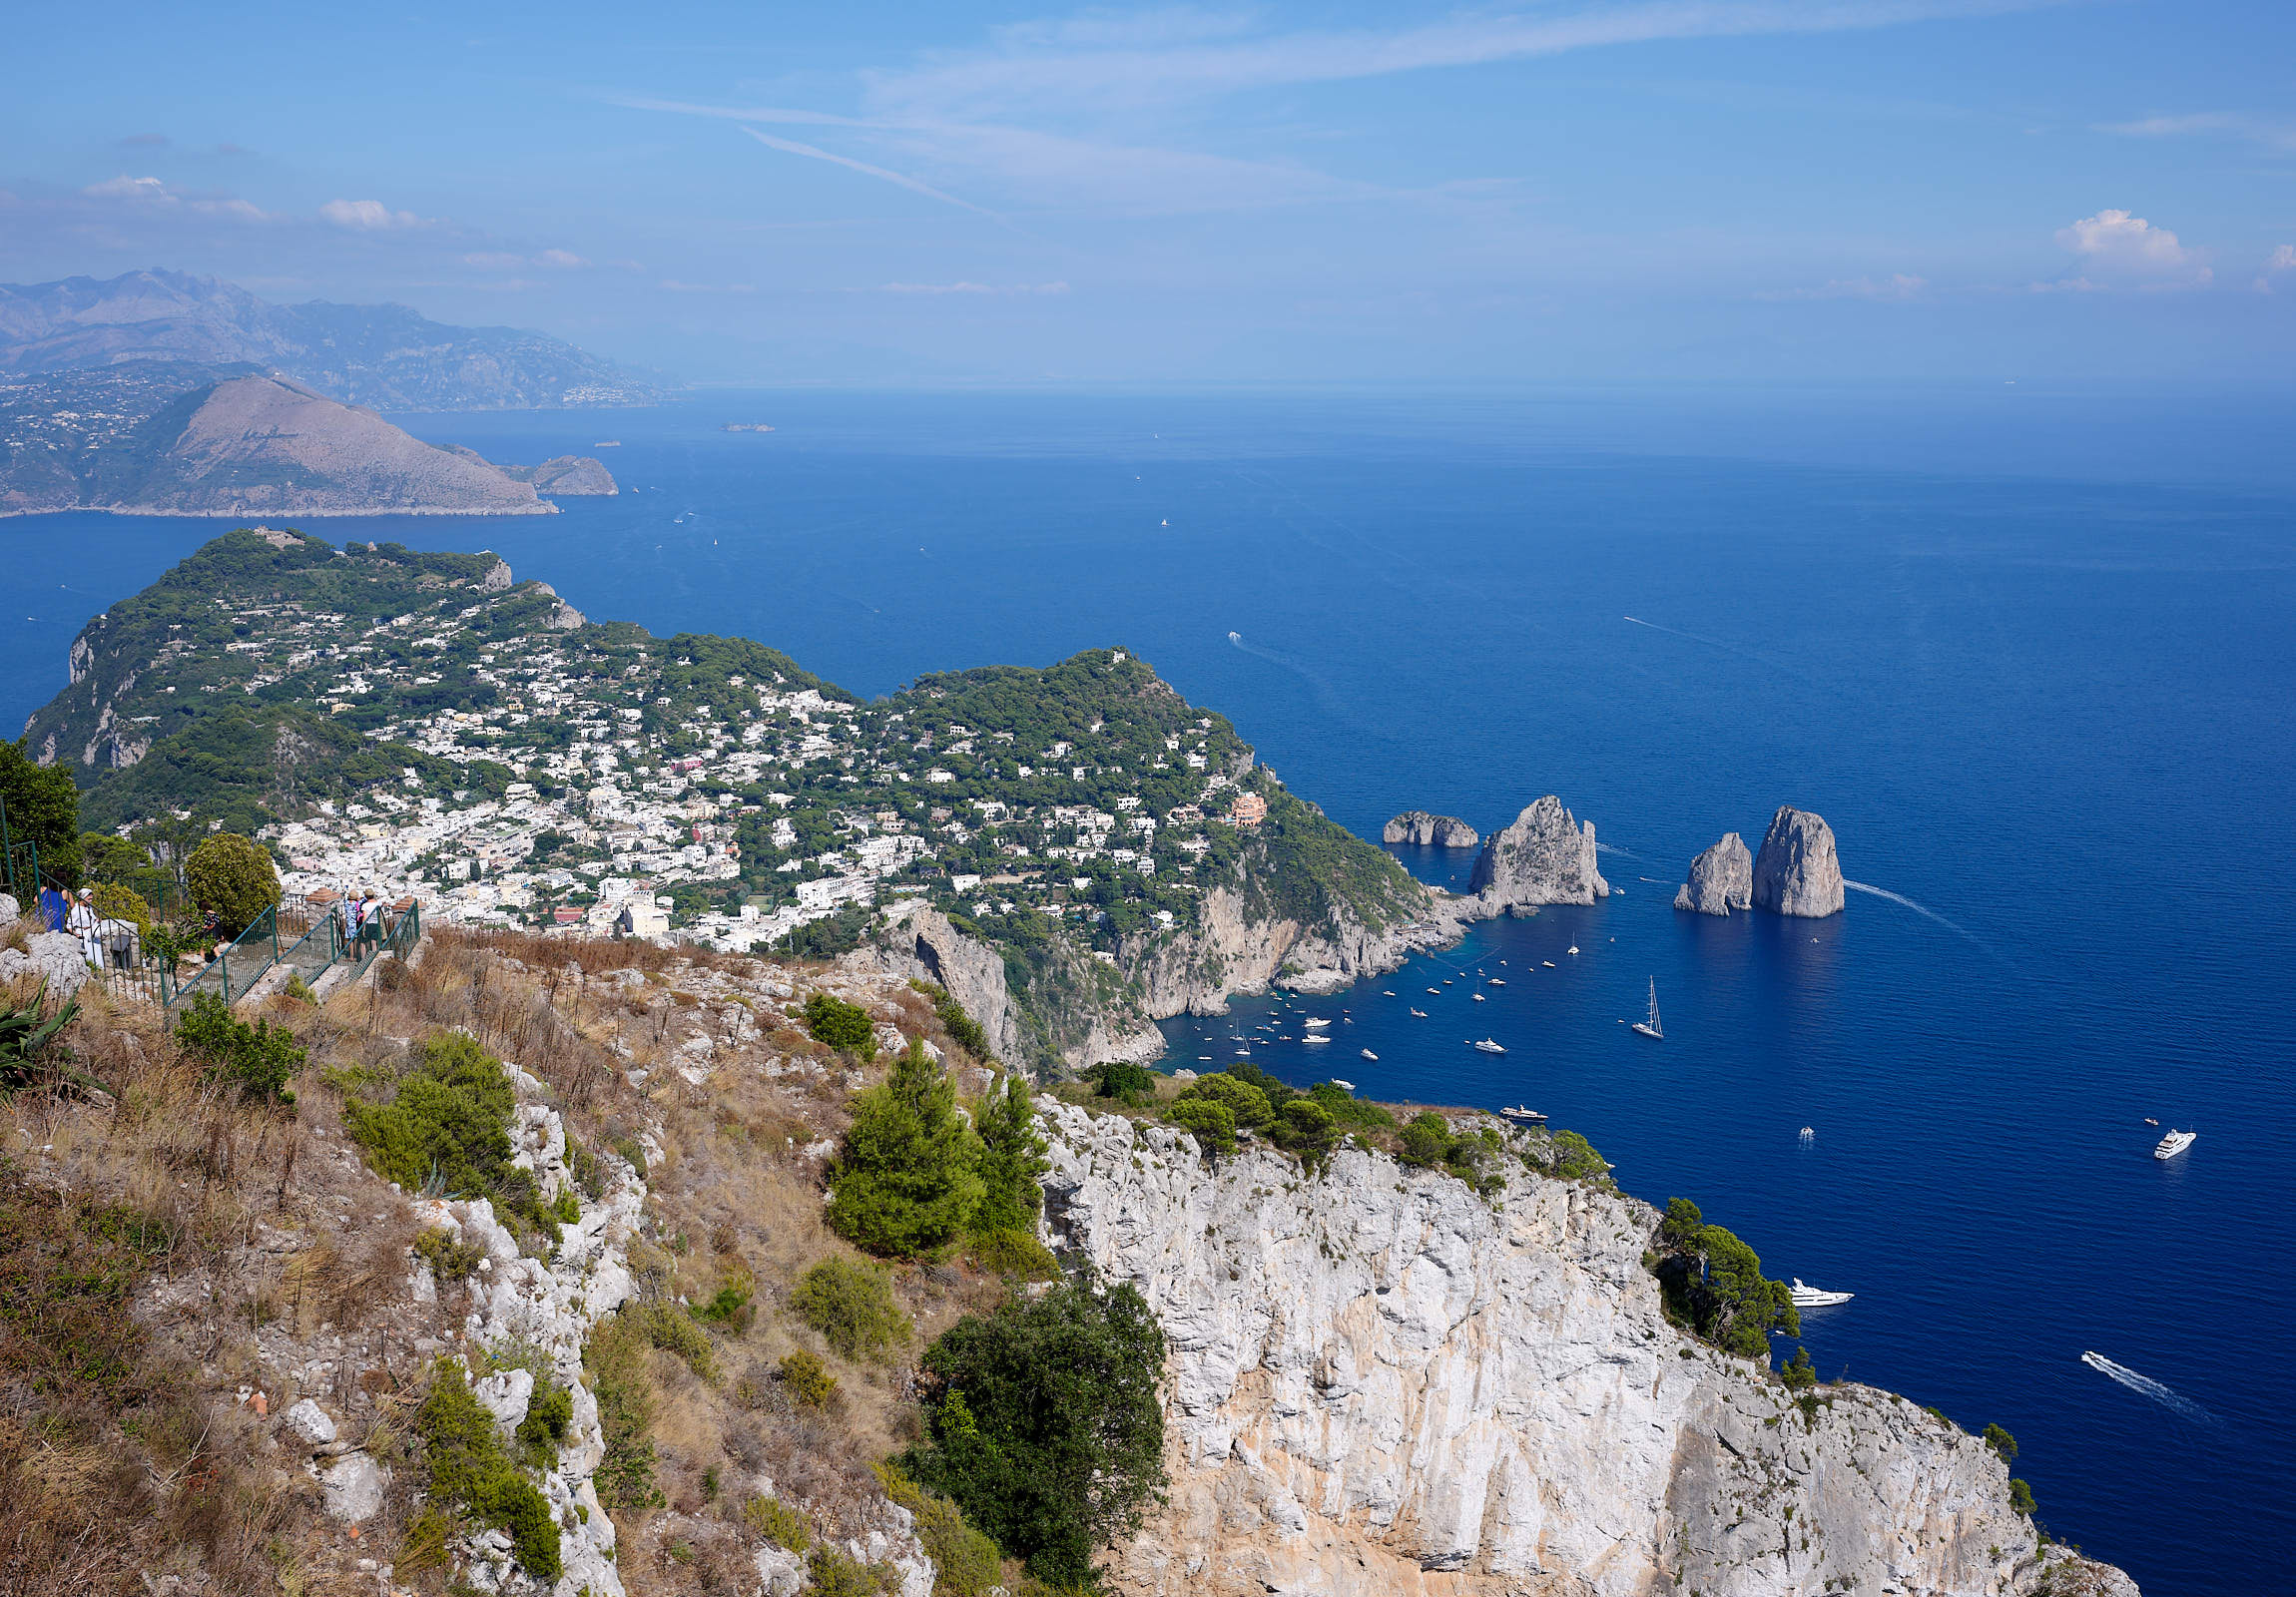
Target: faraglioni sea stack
pixel 1721 878
pixel 1545 858
pixel 1425 831
pixel 1797 873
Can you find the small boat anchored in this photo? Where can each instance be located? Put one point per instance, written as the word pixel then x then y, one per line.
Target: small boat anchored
pixel 1344 1086
pixel 1486 1046
pixel 2174 1143
pixel 1649 1027
pixel 1816 1296
pixel 1314 1023
pixel 1314 1036
pixel 1495 981
pixel 1528 1116
pixel 1367 1054
pixel 1478 998
pixel 1420 1013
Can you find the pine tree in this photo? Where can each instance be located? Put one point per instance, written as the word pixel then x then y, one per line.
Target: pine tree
pixel 908 1181
pixel 1012 1158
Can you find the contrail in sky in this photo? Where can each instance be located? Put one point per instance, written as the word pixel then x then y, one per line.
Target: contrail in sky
pixel 791 146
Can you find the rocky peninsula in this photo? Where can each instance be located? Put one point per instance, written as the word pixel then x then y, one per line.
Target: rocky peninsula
pixel 1425 830
pixel 1721 879
pixel 1798 872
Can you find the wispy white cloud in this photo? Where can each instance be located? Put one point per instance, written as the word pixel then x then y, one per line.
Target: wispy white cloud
pixel 156 193
pixel 791 146
pixel 499 261
pixel 2283 259
pixel 2273 135
pixel 1898 286
pixel 964 287
pixel 368 215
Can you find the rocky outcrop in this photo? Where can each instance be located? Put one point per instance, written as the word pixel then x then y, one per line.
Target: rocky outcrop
pixel 1798 872
pixel 568 477
pixel 919 943
pixel 1721 878
pixel 53 957
pixel 1379 1385
pixel 1418 827
pixel 1545 858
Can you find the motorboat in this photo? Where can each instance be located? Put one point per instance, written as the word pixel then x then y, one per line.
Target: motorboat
pixel 1314 1036
pixel 1420 1013
pixel 1315 1025
pixel 2148 1120
pixel 1528 1116
pixel 1437 992
pixel 1478 998
pixel 1486 1046
pixel 2174 1143
pixel 1649 1026
pixel 1548 963
pixel 1495 981
pixel 1816 1296
pixel 1385 992
pixel 1367 1054
pixel 1809 1134
pixel 1344 1086
pixel 1574 948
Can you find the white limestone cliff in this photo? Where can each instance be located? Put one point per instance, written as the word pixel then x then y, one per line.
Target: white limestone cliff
pixel 1379 1385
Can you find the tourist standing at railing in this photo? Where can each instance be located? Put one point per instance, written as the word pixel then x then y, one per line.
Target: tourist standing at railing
pixel 370 917
pixel 211 931
pixel 81 922
pixel 348 908
pixel 54 906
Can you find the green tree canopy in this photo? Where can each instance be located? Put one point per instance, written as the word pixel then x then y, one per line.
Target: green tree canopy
pixel 1044 1424
pixel 1713 1282
pixel 908 1181
pixel 841 1025
pixel 235 877
pixel 43 808
pixel 1012 1158
pixel 1246 1102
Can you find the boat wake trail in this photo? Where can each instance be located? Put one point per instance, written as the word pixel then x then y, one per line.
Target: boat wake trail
pixel 1324 692
pixel 1713 643
pixel 2145 1385
pixel 1920 909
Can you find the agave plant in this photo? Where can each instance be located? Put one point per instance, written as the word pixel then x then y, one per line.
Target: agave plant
pixel 27 1033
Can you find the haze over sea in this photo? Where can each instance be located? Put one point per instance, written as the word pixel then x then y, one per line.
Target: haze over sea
pixel 2030 653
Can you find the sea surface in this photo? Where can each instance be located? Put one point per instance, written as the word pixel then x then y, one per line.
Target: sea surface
pixel 2031 652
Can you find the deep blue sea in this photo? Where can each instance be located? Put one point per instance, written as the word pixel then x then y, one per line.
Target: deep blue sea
pixel 2031 652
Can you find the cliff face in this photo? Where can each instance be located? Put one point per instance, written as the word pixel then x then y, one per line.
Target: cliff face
pixel 1379 1386
pixel 1545 858
pixel 1798 872
pixel 1721 879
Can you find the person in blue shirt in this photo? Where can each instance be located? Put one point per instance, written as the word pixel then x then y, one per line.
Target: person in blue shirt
pixel 54 906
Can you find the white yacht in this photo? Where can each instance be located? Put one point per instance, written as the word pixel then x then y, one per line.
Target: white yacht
pixel 1649 1027
pixel 1478 998
pixel 1809 1134
pixel 1529 1116
pixel 1345 1086
pixel 1315 1025
pixel 1420 1013
pixel 1367 1053
pixel 2174 1143
pixel 1495 981
pixel 1314 1036
pixel 1486 1046
pixel 1547 963
pixel 1816 1296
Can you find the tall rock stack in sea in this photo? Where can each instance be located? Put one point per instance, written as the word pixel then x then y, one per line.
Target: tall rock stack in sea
pixel 1798 872
pixel 1545 858
pixel 1721 878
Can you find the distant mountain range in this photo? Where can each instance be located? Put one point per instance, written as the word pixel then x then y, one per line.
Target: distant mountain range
pixel 385 357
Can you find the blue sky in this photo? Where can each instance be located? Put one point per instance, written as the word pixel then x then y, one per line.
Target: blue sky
pixel 1774 189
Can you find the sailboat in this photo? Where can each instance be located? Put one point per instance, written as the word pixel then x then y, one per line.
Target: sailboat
pixel 1650 1027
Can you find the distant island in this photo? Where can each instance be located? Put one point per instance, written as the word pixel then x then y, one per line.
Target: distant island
pixel 745 426
pixel 134 440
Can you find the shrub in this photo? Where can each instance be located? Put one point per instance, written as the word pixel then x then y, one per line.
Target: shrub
pixel 966 1562
pixel 833 1574
pixel 779 1523
pixel 1013 1252
pixel 1575 1158
pixel 841 1025
pixel 1213 1123
pixel 2021 1497
pixel 262 1058
pixel 1275 1092
pixel 1246 1102
pixel 1120 1078
pixel 2002 1442
pixel 1426 1140
pixel 1011 1160
pixel 1044 1424
pixel 29 1035
pixel 548 1412
pixel 807 1379
pixel 1348 1112
pixel 731 1305
pixel 852 1305
pixel 232 876
pixel 469 1467
pixel 450 1259
pixel 1713 1282
pixel 117 902
pixel 962 1029
pixel 1797 1373
pixel 447 1130
pixel 907 1183
pixel 675 1333
pixel 43 808
pixel 616 1360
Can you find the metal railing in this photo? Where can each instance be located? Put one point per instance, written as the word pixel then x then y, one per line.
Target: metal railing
pixel 229 979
